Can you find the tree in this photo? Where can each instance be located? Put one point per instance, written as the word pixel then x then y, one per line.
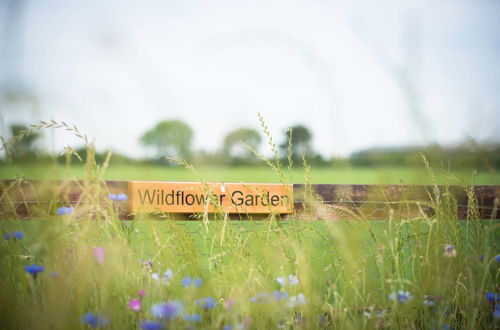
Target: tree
pixel 301 143
pixel 26 146
pixel 236 142
pixel 170 138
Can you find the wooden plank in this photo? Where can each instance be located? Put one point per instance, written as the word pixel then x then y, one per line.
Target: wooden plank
pixel 27 199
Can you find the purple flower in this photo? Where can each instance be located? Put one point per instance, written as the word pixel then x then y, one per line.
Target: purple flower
pixel 280 295
pixel 167 310
pixel 260 298
pixel 135 304
pixel 112 197
pixel 496 312
pixel 17 235
pixel 151 325
pixel 99 254
pixel 121 197
pixel 63 210
pixel 188 281
pixel 401 296
pixel 192 318
pixel 492 297
pixel 94 321
pixel 34 269
pixel 207 303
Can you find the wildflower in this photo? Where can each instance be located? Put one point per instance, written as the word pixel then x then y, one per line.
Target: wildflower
pixel 121 197
pixel 192 318
pixel 167 310
pixel 99 254
pixel 401 296
pixel 207 303
pixel 17 235
pixel 167 276
pixel 292 280
pixel 229 303
pixel 300 299
pixel 112 197
pixel 497 258
pixel 227 327
pixel 188 281
pixel 430 300
pixel 151 325
pixel 492 297
pixel 135 304
pixel 261 297
pixel 147 264
pixel 34 269
pixel 450 251
pixel 496 312
pixel 63 210
pixel 142 293
pixel 94 321
pixel 280 295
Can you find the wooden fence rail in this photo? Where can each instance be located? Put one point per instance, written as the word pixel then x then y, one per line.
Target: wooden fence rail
pixel 32 199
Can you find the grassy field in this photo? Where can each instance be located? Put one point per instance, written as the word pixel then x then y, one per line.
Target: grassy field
pixel 88 269
pixel 251 174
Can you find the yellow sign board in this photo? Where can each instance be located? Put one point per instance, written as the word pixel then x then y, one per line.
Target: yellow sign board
pixel 194 197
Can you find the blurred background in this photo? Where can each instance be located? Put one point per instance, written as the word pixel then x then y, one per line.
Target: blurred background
pixel 362 83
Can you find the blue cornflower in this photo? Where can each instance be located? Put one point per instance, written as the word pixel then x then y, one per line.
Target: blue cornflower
pixel 17 235
pixel 497 258
pixel 151 325
pixel 227 327
pixel 63 210
pixel 112 197
pixel 207 303
pixel 94 321
pixel 196 282
pixel 496 312
pixel 192 318
pixel 34 269
pixel 401 296
pixel 280 295
pixel 260 298
pixel 167 310
pixel 121 197
pixel 492 297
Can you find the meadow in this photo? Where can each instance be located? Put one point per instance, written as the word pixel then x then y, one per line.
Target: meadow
pixel 80 266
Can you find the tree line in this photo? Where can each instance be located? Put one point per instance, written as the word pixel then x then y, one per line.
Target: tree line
pixel 174 139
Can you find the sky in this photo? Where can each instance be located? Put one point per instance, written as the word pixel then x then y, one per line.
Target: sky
pixel 359 74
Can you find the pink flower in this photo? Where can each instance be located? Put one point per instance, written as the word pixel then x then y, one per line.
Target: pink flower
pixel 99 254
pixel 229 303
pixel 135 304
pixel 142 293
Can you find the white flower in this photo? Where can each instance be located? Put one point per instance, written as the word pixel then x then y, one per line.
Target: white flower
pixel 293 280
pixel 450 251
pixel 165 279
pixel 281 280
pixel 300 299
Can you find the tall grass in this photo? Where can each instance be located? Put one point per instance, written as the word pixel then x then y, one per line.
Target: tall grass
pixel 263 274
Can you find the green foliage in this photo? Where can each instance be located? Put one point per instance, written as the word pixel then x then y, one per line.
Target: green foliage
pixel 300 139
pixel 236 142
pixel 170 138
pixel 26 147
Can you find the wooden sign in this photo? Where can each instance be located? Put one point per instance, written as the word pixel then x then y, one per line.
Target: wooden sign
pixel 193 197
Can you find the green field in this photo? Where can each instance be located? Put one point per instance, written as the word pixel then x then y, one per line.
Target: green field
pixel 345 175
